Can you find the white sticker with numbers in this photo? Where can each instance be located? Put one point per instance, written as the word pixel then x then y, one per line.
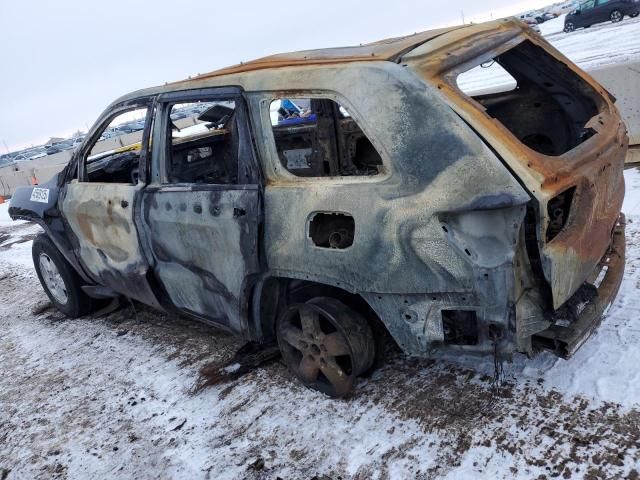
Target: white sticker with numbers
pixel 40 195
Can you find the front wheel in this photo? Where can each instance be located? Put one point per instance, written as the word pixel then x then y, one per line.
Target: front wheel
pixel 59 280
pixel 325 344
pixel 616 16
pixel 634 14
pixel 569 27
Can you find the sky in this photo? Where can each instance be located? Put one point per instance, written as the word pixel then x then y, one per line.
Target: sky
pixel 63 62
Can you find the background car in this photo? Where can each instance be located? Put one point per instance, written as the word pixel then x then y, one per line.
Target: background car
pixel 59 147
pixel 130 127
pixel 528 19
pixel 597 11
pixel 543 17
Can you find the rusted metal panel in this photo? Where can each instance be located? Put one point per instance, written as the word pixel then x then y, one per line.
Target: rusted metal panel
pixel 585 311
pixel 101 218
pixel 436 173
pixel 388 49
pixel 204 243
pixel 595 167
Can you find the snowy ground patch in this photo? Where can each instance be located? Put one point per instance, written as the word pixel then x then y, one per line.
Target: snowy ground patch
pixel 601 44
pixel 555 25
pixel 5 219
pixel 589 48
pixel 15 239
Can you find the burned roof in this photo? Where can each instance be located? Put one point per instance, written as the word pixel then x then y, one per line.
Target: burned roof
pixel 389 49
pixel 392 50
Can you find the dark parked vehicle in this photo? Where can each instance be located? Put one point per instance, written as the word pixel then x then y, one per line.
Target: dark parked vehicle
pixel 327 200
pixel 178 115
pixel 597 11
pixel 59 147
pixel 130 127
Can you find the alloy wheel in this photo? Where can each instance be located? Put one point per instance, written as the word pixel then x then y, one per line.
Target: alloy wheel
pixel 326 344
pixel 52 279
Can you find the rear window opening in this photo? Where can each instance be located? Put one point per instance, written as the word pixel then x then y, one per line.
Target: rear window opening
pixel 317 137
pixel 204 142
pixel 539 99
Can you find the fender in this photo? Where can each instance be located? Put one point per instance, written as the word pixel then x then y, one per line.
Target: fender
pixel 39 204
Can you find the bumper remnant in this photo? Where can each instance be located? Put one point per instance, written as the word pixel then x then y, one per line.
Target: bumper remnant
pixel 582 314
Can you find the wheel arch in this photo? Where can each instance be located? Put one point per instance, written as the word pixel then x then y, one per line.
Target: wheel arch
pixel 273 293
pixel 76 302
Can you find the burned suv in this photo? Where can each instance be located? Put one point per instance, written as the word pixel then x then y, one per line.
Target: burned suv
pixel 323 199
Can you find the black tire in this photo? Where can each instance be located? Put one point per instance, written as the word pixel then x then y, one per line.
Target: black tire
pixel 325 344
pixel 616 16
pixel 569 27
pixel 45 254
pixel 634 14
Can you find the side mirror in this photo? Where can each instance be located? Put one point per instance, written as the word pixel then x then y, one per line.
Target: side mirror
pixel 577 12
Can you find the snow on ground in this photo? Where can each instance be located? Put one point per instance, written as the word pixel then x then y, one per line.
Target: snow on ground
pixel 112 397
pixel 590 48
pixel 552 26
pixel 5 219
pixel 601 44
pixel 18 240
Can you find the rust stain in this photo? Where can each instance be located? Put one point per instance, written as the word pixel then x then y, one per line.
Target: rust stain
pixel 85 224
pixel 594 168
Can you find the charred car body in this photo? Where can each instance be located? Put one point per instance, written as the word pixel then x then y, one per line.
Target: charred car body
pixel 320 196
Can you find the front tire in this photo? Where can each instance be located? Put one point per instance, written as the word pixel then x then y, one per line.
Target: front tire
pixel 616 16
pixel 59 280
pixel 569 27
pixel 634 14
pixel 325 344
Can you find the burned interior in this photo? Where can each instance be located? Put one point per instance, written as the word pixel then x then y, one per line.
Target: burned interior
pixel 317 137
pixel 205 151
pixel 548 108
pixel 120 164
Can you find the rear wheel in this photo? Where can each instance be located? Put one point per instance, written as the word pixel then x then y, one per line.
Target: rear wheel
pixel 569 27
pixel 634 14
pixel 325 344
pixel 616 16
pixel 59 280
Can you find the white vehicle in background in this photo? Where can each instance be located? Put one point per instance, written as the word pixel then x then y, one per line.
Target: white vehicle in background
pixel 109 133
